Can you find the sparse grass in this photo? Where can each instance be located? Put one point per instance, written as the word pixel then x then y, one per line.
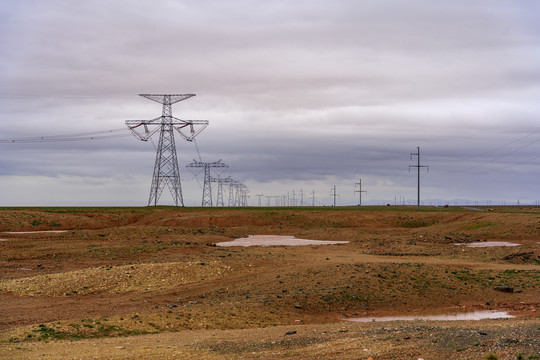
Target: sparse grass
pixel 44 332
pixel 479 225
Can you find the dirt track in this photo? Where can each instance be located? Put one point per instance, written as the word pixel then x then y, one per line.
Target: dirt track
pixel 122 282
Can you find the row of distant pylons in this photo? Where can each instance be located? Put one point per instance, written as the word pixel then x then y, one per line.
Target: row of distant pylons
pixel 166 170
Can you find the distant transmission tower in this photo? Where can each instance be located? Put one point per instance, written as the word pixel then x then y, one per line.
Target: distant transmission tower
pixel 418 166
pixel 232 187
pixel 259 200
pixel 207 187
pixel 334 195
pixel 241 194
pixel 166 165
pixel 359 183
pixel 220 182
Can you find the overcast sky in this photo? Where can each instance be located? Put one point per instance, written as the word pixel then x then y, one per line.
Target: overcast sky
pixel 300 95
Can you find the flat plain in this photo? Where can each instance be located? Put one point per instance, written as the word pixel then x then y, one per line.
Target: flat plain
pixel 150 283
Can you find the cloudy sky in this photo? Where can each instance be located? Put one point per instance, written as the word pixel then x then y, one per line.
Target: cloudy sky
pixel 300 95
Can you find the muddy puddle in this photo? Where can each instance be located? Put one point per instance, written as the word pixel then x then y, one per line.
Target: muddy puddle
pixel 36 232
pixel 275 240
pixel 488 244
pixel 474 315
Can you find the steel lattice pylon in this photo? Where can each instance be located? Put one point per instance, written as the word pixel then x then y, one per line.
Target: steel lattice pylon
pixel 207 187
pixel 166 170
pixel 220 182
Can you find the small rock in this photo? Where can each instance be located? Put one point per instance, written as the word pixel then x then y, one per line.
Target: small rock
pixel 517 291
pixel 297 305
pixel 507 289
pixel 292 332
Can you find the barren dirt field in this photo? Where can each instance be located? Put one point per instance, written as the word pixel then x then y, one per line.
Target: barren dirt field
pixel 150 283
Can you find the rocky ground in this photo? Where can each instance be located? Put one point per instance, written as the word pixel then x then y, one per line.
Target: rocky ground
pixel 150 283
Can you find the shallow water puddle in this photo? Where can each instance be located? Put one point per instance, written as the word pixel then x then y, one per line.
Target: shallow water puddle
pixel 488 244
pixel 275 240
pixel 35 232
pixel 475 315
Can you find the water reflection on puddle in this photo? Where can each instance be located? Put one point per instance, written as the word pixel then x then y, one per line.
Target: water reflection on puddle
pixel 488 244
pixel 475 315
pixel 275 240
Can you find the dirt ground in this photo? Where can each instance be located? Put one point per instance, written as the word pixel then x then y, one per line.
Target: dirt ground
pixel 138 283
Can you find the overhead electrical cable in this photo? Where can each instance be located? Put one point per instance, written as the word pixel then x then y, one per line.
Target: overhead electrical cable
pixel 493 159
pixel 8 95
pixel 507 166
pixel 497 148
pixel 85 136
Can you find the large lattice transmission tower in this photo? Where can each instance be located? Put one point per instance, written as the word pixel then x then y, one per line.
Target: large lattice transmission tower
pixel 166 170
pixel 207 186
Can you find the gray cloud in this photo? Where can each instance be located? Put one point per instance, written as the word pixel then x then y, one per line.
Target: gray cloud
pixel 307 93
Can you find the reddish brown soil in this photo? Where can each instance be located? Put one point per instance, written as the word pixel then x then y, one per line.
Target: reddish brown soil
pixel 119 274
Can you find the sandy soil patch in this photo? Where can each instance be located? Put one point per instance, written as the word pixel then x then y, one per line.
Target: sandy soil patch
pixel 36 232
pixel 116 279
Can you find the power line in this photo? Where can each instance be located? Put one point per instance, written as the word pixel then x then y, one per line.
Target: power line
pixel 84 136
pixel 506 166
pixel 493 159
pixel 499 147
pixel 8 95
